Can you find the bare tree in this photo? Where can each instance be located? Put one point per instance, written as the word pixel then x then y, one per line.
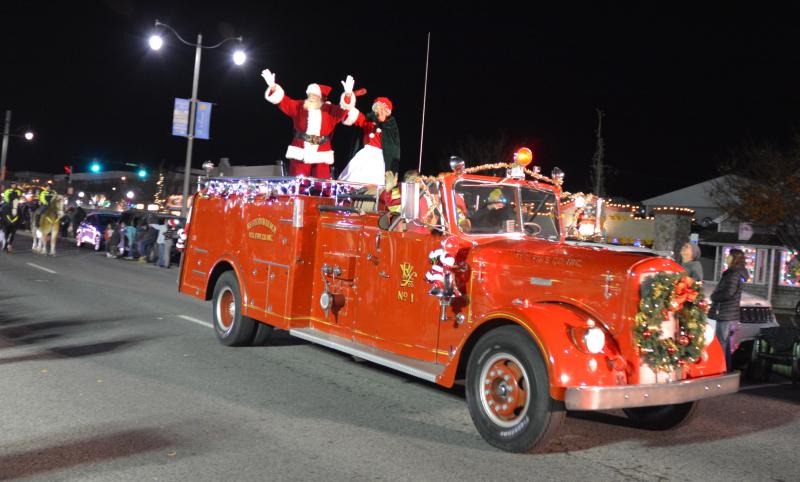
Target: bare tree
pixel 761 184
pixel 598 175
pixel 476 151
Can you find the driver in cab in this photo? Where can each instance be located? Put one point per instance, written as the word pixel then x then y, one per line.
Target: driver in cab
pixel 495 216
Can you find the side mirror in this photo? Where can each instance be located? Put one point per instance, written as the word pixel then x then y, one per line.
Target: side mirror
pixel 409 200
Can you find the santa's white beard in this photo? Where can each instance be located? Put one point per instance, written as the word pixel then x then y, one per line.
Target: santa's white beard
pixel 312 104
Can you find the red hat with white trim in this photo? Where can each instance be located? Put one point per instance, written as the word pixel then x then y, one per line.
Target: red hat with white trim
pixel 319 89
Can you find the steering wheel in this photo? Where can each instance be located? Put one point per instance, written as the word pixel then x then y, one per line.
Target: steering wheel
pixel 532 228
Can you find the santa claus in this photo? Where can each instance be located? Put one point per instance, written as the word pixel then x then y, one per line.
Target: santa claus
pixel 310 153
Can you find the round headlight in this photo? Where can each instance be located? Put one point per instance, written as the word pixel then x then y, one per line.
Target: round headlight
pixel 710 332
pixel 594 339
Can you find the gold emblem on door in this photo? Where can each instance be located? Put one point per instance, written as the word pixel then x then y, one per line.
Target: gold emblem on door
pixel 407 280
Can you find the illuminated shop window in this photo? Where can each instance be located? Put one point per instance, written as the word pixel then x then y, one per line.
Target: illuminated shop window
pixel 790 269
pixel 755 262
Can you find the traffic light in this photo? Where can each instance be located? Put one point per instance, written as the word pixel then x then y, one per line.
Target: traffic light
pixel 142 172
pixel 68 171
pixel 95 167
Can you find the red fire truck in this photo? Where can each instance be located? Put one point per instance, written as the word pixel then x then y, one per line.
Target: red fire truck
pixel 472 281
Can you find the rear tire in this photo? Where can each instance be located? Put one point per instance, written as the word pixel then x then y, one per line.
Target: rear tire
pixel 231 327
pixel 262 334
pixel 508 392
pixel 662 417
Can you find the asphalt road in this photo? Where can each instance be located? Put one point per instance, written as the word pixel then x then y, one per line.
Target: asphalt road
pixel 107 373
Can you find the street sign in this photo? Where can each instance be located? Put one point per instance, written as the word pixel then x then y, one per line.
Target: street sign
pixel 180 118
pixel 202 120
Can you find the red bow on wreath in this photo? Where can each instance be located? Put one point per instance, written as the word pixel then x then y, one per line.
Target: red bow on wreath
pixel 682 293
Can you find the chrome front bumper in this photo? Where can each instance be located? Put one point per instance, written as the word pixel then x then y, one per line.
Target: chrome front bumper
pixel 628 396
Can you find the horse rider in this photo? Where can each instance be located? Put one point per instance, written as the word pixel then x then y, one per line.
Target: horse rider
pixel 9 217
pixel 7 194
pixel 45 196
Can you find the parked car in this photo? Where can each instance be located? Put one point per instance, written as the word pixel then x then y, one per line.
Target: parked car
pixel 92 229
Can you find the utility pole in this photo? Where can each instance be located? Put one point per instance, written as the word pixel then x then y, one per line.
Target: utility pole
pixel 4 152
pixel 598 176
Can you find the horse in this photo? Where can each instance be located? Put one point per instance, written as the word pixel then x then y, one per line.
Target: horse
pixel 48 224
pixel 10 219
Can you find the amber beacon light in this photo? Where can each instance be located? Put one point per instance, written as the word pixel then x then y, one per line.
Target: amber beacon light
pixel 523 156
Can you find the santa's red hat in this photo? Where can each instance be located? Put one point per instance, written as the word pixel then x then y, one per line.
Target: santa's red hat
pixel 385 101
pixel 319 89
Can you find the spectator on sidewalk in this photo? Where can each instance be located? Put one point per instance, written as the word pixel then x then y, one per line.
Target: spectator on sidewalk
pixel 726 298
pixel 165 247
pixel 130 239
pixel 112 237
pixel 150 233
pixel 690 260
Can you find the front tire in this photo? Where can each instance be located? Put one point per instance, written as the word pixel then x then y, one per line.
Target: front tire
pixel 231 327
pixel 662 417
pixel 508 392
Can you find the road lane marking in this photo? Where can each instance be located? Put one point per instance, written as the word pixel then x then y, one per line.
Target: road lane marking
pixel 195 320
pixel 42 268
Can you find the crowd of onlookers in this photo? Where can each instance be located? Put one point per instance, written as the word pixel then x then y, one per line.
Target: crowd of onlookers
pixel 146 238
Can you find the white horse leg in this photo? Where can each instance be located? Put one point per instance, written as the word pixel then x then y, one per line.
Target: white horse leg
pixel 37 241
pixel 54 239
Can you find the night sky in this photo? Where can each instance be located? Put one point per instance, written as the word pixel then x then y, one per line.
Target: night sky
pixel 680 87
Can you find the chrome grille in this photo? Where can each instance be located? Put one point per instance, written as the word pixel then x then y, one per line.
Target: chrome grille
pixel 756 314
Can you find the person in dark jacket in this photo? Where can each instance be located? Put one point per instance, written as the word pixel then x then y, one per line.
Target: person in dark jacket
pixel 726 297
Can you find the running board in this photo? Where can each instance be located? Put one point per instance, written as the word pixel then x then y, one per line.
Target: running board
pixel 425 370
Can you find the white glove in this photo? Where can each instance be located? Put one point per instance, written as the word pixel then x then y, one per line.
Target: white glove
pixel 348 84
pixel 269 77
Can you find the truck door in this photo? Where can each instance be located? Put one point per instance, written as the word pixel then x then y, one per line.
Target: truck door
pixel 334 277
pixel 395 311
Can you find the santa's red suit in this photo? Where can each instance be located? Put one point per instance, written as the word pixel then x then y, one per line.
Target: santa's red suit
pixel 310 152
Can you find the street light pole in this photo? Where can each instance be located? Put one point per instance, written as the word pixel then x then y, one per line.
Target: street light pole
pixel 187 175
pixel 238 58
pixel 4 153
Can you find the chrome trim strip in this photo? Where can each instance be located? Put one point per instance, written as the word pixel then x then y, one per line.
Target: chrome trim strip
pixel 271 263
pixel 424 370
pixel 199 273
pixel 629 396
pixel 200 250
pixel 285 221
pixel 343 227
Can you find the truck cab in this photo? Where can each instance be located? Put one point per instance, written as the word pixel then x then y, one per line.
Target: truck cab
pixel 472 281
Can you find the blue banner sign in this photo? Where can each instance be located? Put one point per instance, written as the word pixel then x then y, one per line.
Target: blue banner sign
pixel 180 118
pixel 202 120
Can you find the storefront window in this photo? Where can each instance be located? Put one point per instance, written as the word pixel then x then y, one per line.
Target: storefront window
pixel 755 262
pixel 790 269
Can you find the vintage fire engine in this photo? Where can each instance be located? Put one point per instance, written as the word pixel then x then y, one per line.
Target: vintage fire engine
pixel 472 281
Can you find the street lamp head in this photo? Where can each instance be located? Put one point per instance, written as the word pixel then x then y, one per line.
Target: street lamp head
pixel 156 42
pixel 29 135
pixel 239 57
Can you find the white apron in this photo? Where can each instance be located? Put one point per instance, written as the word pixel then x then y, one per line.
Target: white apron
pixel 366 167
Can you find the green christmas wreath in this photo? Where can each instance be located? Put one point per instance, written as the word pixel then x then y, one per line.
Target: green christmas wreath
pixel 683 296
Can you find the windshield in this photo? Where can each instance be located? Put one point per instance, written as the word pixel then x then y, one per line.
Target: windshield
pixel 490 208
